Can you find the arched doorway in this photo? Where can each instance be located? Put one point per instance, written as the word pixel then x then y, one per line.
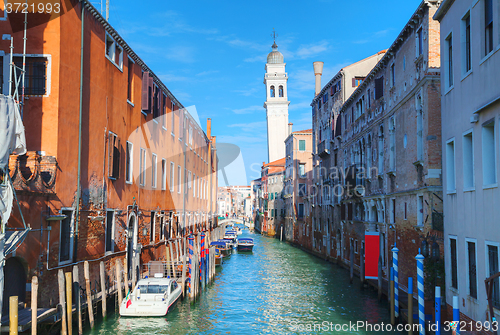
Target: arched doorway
pixel 15 283
pixel 131 242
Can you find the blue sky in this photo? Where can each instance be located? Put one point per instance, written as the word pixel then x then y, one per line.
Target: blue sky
pixel 212 54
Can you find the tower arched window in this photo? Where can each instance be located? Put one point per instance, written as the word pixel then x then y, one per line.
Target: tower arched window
pixel 281 91
pixel 272 92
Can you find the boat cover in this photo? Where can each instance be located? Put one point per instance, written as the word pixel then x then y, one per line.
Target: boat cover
pixel 219 243
pixel 245 240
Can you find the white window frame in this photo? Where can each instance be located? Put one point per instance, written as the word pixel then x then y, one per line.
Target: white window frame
pixel 154 172
pixel 112 58
pixel 113 223
pixel 468 188
pixel 451 185
pixel 179 179
pixel 130 176
pixel 142 167
pixel 190 185
pixel 172 176
pixel 467 266
pixel 163 174
pixel 487 259
pixel 463 40
pixel 49 72
pixel 447 73
pixel 485 154
pixel 454 237
pixel 72 236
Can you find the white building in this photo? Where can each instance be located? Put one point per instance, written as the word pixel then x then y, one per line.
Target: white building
pixel 276 104
pixel 470 76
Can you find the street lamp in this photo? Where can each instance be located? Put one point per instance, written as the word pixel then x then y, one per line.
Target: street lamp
pixel 425 248
pixel 435 252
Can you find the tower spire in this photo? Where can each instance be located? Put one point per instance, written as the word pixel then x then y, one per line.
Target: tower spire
pixel 274 35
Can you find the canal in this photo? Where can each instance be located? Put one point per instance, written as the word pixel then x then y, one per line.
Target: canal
pixel 277 289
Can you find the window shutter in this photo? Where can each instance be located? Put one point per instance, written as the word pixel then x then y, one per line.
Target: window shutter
pixel 353 82
pixel 111 145
pixel 145 91
pixel 116 158
pixel 150 94
pixel 379 88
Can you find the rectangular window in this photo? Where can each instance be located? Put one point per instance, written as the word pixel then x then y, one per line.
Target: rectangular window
pixel 488 26
pixel 110 230
pixel 154 162
pixel 114 156
pixel 302 170
pixel 66 237
pixel 172 176
pixel 454 262
pixel 164 112
pixel 393 75
pixel 35 78
pixel 492 269
pixel 129 164
pixel 489 154
pixel 449 61
pixel 130 80
pixel 379 88
pixel 179 179
pixel 471 266
pixel 420 210
pixel 189 180
pixel 142 168
pixel 301 211
pixel 420 42
pixel 173 118
pixel 393 202
pixel 468 161
pixel 466 57
pixel 450 166
pixel 302 145
pixel 114 52
pixel 163 174
pixel 152 222
pixel 190 135
pixel 302 190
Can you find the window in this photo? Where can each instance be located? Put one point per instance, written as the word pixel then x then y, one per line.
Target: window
pixel 302 145
pixel 449 61
pixel 281 91
pixel 190 135
pixel 454 262
pixel 301 211
pixel 154 162
pixel 393 205
pixel 173 118
pixel 302 190
pixel 381 151
pixel 420 210
pixel 163 174
pixel 114 52
pixel 130 80
pixel 172 176
pixel 392 151
pixel 420 42
pixel 164 112
pixel 129 162
pixel 488 26
pixel 189 180
pixel 194 185
pixel 142 168
pixel 179 179
pixel 379 88
pixel 450 166
pixel 420 129
pixel 302 170
pixel 492 268
pixel 113 156
pixel 357 81
pixel 272 94
pixel 35 79
pixel 406 211
pixel 471 266
pixel 489 160
pixel 393 75
pixel 152 222
pixel 110 230
pixel 66 237
pixel 466 57
pixel 468 161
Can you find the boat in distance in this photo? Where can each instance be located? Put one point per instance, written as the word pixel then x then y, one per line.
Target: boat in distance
pixel 151 297
pixel 245 244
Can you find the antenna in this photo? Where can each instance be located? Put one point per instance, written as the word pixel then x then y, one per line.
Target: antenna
pixel 274 35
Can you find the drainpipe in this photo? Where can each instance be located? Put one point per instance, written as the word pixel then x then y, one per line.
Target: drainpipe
pixel 78 186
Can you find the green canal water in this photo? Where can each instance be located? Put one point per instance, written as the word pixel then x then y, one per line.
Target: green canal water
pixel 277 289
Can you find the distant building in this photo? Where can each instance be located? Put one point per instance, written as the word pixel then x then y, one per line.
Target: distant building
pixel 470 121
pixel 274 205
pixel 298 181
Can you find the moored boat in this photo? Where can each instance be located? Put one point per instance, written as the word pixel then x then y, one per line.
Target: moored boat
pixel 245 244
pixel 222 246
pixel 151 297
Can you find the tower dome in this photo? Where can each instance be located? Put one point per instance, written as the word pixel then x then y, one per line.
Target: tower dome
pixel 275 57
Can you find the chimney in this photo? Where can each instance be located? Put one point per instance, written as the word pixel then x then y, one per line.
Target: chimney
pixel 318 71
pixel 209 128
pixel 290 129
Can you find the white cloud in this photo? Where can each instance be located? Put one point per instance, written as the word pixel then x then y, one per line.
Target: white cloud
pixel 248 110
pixel 252 127
pixel 308 51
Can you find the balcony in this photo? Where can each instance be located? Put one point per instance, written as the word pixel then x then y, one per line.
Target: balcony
pixel 324 148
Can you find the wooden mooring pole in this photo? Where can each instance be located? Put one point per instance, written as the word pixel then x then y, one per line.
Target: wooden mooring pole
pixel 125 276
pixel 62 301
pixel 69 301
pixel 119 282
pixel 13 315
pixel 34 305
pixel 86 273
pixel 78 302
pixel 103 288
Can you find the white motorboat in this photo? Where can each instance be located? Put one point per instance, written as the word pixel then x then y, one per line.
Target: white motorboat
pixel 151 297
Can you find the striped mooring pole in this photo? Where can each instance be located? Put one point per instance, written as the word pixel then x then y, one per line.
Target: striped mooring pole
pixel 191 243
pixel 456 315
pixel 437 305
pixel 395 251
pixel 203 263
pixel 420 287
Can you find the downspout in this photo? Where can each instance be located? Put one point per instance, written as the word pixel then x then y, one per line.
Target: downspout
pixel 78 186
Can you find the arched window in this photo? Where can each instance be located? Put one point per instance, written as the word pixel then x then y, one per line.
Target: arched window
pixel 281 91
pixel 272 92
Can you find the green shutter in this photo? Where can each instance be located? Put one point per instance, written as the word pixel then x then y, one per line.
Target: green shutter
pixel 302 145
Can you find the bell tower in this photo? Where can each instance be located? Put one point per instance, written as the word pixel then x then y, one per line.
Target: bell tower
pixel 276 104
